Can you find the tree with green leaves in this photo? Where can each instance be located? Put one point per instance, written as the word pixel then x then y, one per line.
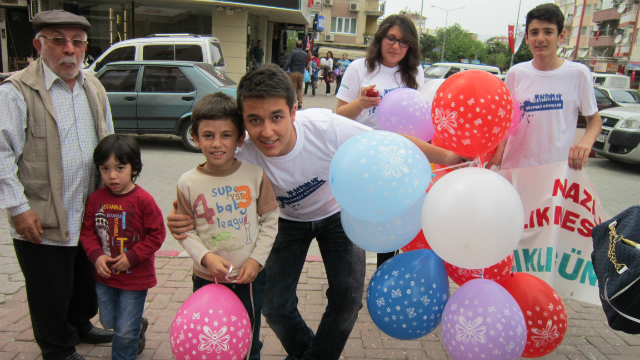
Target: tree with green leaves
pixel 460 45
pixel 427 44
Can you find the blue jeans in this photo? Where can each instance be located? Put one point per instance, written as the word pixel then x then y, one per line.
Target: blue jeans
pixel 121 310
pixel 345 266
pixel 243 292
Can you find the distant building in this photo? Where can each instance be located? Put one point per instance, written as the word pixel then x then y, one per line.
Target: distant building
pixel 417 19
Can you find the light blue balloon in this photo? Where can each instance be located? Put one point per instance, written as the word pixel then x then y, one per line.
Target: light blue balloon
pixel 387 235
pixel 378 174
pixel 407 295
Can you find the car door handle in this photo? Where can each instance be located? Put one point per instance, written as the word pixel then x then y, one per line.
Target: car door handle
pixel 130 98
pixel 188 98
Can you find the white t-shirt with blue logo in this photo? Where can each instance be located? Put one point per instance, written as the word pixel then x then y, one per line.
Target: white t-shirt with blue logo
pixel 300 179
pixel 549 104
pixel 385 78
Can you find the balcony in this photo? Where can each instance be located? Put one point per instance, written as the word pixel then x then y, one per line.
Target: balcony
pixel 621 51
pixel 628 19
pixel 605 38
pixel 368 38
pixel 604 15
pixel 374 8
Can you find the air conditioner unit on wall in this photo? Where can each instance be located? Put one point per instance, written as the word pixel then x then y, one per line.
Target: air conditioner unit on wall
pixel 328 2
pixel 354 6
pixel 328 37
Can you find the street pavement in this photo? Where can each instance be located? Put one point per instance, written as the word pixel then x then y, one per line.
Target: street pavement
pixel 165 159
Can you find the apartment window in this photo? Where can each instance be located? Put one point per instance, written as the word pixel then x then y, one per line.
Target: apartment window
pixel 587 10
pixel 638 37
pixel 344 25
pixel 579 10
pixel 574 32
pixel 584 31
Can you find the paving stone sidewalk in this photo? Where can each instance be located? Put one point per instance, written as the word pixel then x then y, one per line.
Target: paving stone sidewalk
pixel 588 336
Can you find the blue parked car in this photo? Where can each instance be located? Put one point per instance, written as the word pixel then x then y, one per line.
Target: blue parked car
pixel 157 97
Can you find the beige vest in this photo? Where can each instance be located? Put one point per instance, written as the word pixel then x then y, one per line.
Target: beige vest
pixel 40 165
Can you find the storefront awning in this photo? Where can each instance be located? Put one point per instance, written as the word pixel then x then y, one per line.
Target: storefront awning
pixel 337 52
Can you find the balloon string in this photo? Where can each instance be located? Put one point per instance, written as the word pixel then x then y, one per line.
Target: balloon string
pixel 476 162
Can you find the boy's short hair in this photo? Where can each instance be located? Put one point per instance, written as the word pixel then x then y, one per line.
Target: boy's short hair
pixel 125 149
pixel 266 81
pixel 217 106
pixel 547 12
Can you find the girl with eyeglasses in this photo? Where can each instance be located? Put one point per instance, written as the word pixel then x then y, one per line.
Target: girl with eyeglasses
pixel 392 62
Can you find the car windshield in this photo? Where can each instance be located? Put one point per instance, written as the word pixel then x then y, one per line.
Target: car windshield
pixel 623 96
pixel 635 94
pixel 216 76
pixel 436 72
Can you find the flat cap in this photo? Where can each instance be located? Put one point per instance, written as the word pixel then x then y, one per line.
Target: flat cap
pixel 59 18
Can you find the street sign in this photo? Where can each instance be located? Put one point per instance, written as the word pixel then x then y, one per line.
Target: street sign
pixel 318 22
pixel 436 50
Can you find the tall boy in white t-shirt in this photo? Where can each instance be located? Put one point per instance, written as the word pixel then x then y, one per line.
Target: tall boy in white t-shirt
pixel 295 149
pixel 550 91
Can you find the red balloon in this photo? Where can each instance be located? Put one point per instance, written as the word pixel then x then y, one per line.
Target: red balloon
pixel 419 242
pixel 472 112
pixel 543 311
pixel 494 272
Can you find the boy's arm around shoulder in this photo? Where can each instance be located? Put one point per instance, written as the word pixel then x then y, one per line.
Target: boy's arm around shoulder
pixel 268 213
pixel 88 237
pixel 193 244
pixel 153 223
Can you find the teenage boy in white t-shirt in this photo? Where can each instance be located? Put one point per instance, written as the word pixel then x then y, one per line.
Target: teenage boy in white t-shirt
pixel 295 149
pixel 550 91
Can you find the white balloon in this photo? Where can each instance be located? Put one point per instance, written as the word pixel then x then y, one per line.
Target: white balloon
pixel 430 87
pixel 323 61
pixel 473 218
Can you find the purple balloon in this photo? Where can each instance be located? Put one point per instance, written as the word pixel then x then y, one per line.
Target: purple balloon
pixel 406 111
pixel 483 321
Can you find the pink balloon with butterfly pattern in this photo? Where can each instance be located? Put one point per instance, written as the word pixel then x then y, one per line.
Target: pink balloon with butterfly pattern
pixel 212 324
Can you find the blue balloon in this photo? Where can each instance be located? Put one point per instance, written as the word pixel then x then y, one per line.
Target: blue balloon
pixel 387 235
pixel 408 293
pixel 378 174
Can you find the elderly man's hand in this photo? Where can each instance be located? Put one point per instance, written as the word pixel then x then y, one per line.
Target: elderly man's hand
pixel 28 226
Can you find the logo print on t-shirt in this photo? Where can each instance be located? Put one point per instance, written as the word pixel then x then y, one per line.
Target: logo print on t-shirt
pixel 544 102
pixel 300 193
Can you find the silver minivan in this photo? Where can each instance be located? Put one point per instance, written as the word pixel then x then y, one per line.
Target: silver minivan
pixel 164 47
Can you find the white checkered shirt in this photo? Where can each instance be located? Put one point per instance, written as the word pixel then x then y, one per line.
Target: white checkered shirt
pixel 78 139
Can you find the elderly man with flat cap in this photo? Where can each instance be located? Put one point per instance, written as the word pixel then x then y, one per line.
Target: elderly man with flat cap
pixel 52 116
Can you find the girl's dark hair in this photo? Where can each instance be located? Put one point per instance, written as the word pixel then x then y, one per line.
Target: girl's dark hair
pixel 409 64
pixel 547 12
pixel 329 52
pixel 125 149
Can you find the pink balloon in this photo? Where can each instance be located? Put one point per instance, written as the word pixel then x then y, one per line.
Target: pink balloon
pixel 515 121
pixel 211 324
pixel 406 111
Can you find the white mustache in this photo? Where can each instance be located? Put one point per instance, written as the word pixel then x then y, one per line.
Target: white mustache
pixel 67 60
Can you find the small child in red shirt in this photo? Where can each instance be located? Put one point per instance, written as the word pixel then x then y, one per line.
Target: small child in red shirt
pixel 122 229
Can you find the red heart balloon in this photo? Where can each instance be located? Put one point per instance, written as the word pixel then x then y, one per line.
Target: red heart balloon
pixel 472 112
pixel 494 272
pixel 543 311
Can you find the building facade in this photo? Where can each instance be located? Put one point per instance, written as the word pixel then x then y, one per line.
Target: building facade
pixel 602 34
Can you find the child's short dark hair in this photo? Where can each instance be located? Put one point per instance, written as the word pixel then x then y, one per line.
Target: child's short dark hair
pixel 125 149
pixel 217 106
pixel 266 81
pixel 546 12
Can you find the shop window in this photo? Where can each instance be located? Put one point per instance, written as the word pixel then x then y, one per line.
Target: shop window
pixel 119 80
pixel 165 79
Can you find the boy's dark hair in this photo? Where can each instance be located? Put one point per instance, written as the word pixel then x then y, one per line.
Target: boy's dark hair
pixel 218 106
pixel 125 149
pixel 547 12
pixel 267 81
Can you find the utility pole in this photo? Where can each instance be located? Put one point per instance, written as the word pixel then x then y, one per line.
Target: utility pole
pixel 446 19
pixel 420 25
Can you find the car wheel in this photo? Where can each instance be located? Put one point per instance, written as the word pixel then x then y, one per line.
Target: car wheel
pixel 187 139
